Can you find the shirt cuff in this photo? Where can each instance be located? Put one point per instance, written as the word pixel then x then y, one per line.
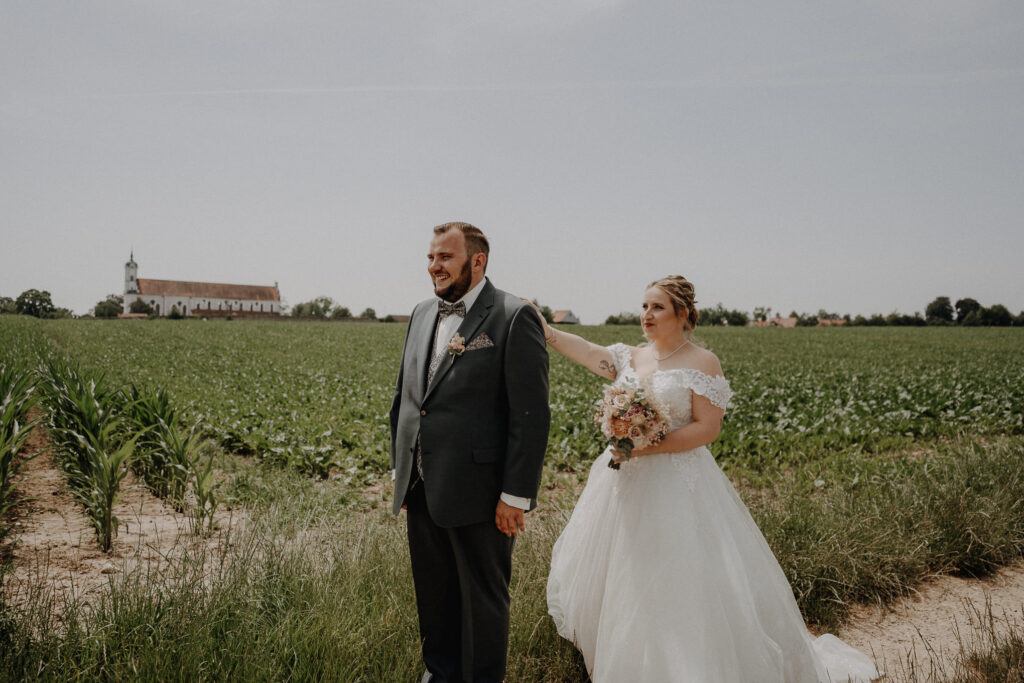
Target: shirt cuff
pixel 515 501
pixel 392 475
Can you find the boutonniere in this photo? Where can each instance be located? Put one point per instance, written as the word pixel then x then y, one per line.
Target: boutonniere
pixel 457 346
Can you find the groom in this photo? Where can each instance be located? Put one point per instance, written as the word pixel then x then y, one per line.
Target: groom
pixel 469 427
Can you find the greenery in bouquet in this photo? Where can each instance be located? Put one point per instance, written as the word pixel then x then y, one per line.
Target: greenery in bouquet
pixel 630 419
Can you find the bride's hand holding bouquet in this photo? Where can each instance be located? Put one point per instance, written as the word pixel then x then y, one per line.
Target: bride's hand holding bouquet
pixel 631 419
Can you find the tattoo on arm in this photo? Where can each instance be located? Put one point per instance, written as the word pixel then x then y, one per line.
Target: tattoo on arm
pixel 607 367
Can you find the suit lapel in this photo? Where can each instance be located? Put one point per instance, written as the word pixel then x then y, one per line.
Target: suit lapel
pixel 474 318
pixel 425 342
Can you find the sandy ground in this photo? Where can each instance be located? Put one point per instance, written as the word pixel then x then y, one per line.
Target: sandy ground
pixel 931 624
pixel 54 544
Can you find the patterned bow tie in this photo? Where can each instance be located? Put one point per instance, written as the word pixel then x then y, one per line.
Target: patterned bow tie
pixel 445 309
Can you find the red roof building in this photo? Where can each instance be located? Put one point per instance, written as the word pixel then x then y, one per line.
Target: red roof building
pixel 199 298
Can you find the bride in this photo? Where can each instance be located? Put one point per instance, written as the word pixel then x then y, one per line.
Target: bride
pixel 661 573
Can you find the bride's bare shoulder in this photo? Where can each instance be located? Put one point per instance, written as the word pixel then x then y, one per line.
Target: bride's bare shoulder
pixel 706 361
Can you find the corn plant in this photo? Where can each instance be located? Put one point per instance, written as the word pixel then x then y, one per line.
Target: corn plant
pixel 98 487
pixel 153 416
pixel 16 399
pixel 204 485
pixel 93 451
pixel 181 452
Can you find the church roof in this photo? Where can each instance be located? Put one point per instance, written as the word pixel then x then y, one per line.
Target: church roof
pixel 207 290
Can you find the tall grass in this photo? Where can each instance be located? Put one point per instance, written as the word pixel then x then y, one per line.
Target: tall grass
pixel 315 590
pixel 960 511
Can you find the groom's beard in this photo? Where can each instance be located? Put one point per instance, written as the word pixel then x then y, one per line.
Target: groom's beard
pixel 458 288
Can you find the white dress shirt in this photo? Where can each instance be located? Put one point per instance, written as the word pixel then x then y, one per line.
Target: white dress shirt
pixel 446 329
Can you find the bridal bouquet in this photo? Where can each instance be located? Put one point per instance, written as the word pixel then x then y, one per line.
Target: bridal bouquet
pixel 630 419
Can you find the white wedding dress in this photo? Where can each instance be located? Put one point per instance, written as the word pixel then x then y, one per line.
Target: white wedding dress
pixel 662 575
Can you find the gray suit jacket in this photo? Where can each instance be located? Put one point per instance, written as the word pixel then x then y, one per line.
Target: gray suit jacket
pixel 483 421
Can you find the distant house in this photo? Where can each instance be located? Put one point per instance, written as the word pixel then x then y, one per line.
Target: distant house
pixel 400 318
pixel 210 299
pixel 831 322
pixel 775 322
pixel 565 318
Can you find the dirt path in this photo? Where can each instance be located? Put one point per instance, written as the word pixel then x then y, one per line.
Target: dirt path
pixel 931 624
pixel 55 545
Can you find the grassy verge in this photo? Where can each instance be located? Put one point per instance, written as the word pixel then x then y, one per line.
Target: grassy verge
pixel 959 511
pixel 314 589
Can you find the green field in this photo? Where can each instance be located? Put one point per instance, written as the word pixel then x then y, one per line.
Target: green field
pixel 316 396
pixel 871 458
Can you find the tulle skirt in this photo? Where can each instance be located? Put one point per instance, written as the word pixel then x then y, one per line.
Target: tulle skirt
pixel 662 575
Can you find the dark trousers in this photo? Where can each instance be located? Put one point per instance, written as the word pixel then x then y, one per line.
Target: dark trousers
pixel 461 577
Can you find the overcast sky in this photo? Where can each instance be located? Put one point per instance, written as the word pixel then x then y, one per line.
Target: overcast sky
pixel 855 156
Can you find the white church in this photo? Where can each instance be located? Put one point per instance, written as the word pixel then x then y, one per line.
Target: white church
pixel 201 299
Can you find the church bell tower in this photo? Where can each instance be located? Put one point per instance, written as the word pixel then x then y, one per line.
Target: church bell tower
pixel 131 275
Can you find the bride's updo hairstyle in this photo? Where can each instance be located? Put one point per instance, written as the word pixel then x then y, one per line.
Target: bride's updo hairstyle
pixel 680 291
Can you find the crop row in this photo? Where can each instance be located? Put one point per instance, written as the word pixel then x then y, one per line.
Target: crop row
pixel 100 431
pixel 315 397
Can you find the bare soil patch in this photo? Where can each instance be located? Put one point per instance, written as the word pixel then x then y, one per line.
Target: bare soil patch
pixel 54 545
pixel 942 614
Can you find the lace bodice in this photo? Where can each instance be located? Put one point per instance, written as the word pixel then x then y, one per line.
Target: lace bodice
pixel 674 387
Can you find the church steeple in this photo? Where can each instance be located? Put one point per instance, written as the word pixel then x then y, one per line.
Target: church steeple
pixel 131 275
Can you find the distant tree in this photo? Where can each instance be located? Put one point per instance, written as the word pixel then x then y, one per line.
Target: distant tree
pixel 368 314
pixel 340 312
pixel 140 306
pixel 996 315
pixel 35 303
pixel 712 315
pixel 109 307
pixel 1018 321
pixel 806 320
pixel 939 311
pixel 388 318
pixel 175 314
pixel 319 307
pixel 720 315
pixel 7 305
pixel 972 319
pixel 762 313
pixel 904 320
pixel 736 318
pixel 623 319
pixel 859 320
pixel 544 311
pixel 964 307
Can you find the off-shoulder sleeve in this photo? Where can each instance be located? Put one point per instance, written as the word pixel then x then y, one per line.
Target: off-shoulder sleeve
pixel 620 356
pixel 715 389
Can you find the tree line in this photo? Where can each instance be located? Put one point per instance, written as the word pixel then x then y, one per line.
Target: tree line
pixel 33 302
pixel 966 312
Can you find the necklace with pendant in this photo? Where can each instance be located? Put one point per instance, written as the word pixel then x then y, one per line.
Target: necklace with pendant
pixel 669 354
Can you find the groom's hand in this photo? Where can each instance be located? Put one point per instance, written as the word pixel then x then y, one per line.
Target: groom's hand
pixel 509 520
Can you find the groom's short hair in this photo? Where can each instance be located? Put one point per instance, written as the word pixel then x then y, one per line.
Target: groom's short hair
pixel 476 241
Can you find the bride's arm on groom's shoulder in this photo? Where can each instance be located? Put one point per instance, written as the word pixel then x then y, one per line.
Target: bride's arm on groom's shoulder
pixel 595 358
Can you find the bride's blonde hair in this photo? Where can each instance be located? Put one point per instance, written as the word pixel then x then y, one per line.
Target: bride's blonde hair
pixel 680 291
